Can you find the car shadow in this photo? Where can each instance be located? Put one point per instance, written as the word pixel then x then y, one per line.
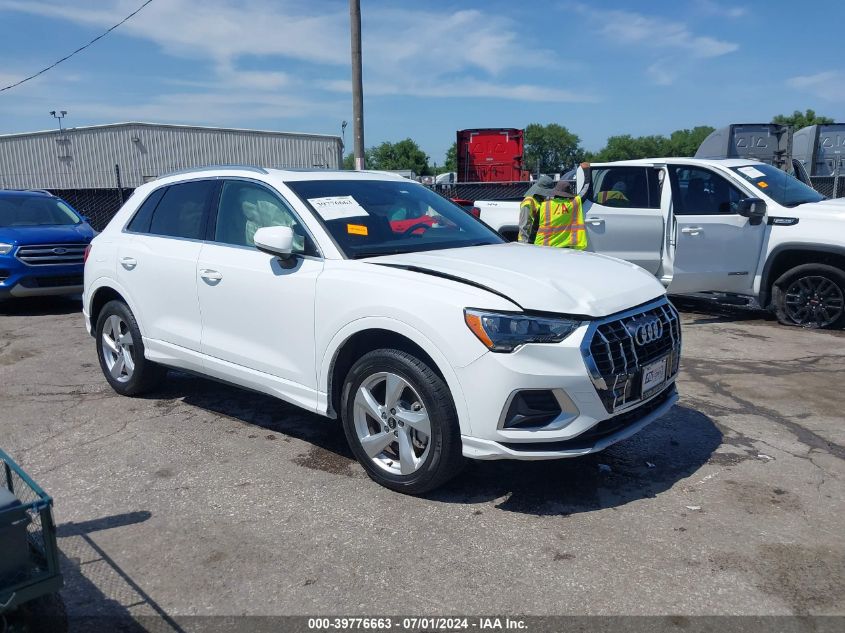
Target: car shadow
pixel 260 410
pixel 40 306
pixel 714 312
pixel 642 466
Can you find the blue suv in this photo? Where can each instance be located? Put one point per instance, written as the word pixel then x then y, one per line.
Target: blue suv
pixel 42 245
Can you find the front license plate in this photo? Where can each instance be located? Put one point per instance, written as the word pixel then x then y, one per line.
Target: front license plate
pixel 654 375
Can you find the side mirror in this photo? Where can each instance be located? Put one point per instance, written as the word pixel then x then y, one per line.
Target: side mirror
pixel 753 208
pixel 275 240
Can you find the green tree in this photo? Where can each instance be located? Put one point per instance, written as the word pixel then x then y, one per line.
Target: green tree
pixel 626 147
pixel 551 148
pixel 686 142
pixel 451 163
pixel 402 155
pixel 349 162
pixel 800 119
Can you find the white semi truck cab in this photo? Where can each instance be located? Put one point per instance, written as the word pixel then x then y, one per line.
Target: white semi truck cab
pixel 735 228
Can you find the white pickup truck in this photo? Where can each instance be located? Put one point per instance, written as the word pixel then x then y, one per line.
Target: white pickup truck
pixel 739 229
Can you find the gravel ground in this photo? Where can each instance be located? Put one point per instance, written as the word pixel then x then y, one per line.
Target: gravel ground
pixel 207 500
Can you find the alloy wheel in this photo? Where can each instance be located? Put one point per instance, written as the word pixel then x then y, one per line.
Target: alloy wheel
pixel 814 301
pixel 118 348
pixel 392 423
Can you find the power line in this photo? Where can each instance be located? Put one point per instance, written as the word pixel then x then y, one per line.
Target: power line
pixel 78 50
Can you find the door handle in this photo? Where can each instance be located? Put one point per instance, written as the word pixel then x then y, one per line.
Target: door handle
pixel 211 276
pixel 692 230
pixel 595 221
pixel 128 262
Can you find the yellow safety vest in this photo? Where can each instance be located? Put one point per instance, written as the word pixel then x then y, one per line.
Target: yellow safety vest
pixel 604 196
pixel 562 224
pixel 532 204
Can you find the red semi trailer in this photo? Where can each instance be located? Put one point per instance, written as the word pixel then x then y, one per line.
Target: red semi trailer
pixel 491 155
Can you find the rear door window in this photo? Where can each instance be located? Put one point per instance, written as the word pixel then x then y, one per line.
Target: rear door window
pixel 183 210
pixel 625 187
pixel 140 222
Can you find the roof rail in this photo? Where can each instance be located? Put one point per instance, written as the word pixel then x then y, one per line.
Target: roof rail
pixel 190 170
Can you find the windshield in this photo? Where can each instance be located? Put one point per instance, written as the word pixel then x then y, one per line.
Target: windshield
pixel 29 210
pixel 378 217
pixel 778 185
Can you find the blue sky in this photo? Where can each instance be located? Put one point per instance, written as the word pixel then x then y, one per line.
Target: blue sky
pixel 599 68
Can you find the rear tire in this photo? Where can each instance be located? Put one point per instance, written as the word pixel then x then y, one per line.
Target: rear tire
pixel 120 350
pixel 811 296
pixel 400 420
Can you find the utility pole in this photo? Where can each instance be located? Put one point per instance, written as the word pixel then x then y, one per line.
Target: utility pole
pixel 357 83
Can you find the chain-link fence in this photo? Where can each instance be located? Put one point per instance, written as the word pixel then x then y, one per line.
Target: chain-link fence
pixel 830 186
pixel 97 195
pixel 98 205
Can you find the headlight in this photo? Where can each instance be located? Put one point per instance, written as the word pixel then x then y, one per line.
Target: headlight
pixel 502 332
pixel 5 248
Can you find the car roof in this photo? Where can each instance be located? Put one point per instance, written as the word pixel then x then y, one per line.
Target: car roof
pixel 285 174
pixel 38 193
pixel 723 162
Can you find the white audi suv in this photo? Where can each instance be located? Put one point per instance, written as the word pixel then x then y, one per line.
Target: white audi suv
pixel 369 298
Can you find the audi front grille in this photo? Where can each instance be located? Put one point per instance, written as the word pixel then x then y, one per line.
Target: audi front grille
pixel 617 348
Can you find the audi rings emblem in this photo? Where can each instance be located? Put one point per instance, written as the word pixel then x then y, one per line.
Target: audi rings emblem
pixel 646 331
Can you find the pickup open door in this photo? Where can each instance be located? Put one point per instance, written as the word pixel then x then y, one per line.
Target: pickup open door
pixel 712 247
pixel 622 214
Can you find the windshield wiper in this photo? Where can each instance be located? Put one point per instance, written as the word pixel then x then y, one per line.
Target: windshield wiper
pixel 800 202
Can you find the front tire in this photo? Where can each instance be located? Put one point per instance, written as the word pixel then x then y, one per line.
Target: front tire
pixel 120 350
pixel 400 421
pixel 811 296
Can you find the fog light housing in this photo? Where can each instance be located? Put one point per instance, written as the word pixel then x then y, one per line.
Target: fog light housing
pixel 531 409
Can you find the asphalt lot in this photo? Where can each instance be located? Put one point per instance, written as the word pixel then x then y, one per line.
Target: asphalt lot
pixel 205 499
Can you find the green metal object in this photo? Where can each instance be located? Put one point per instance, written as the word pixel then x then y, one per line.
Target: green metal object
pixel 41 576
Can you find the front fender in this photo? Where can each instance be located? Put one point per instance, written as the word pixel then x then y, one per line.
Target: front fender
pixel 400 327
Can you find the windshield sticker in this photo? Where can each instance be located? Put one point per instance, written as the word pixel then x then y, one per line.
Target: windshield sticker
pixel 751 172
pixel 762 184
pixel 356 229
pixel 338 207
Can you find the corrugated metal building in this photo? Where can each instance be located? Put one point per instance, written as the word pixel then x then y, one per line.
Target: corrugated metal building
pixel 81 164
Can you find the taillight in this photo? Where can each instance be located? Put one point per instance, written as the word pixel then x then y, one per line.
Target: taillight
pixel 475 212
pixel 85 254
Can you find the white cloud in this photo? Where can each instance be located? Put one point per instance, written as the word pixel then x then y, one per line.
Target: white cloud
pixel 464 87
pixel 628 27
pixel 660 74
pixel 406 51
pixel 220 30
pixel 726 11
pixel 828 84
pixel 632 28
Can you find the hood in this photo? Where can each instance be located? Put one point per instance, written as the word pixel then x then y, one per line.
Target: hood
pixel 543 279
pixel 23 235
pixel 834 205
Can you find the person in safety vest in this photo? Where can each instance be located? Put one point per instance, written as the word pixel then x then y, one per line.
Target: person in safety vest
pixel 553 215
pixel 615 197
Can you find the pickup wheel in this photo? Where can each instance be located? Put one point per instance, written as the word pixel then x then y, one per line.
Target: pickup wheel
pixel 812 296
pixel 120 350
pixel 400 421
